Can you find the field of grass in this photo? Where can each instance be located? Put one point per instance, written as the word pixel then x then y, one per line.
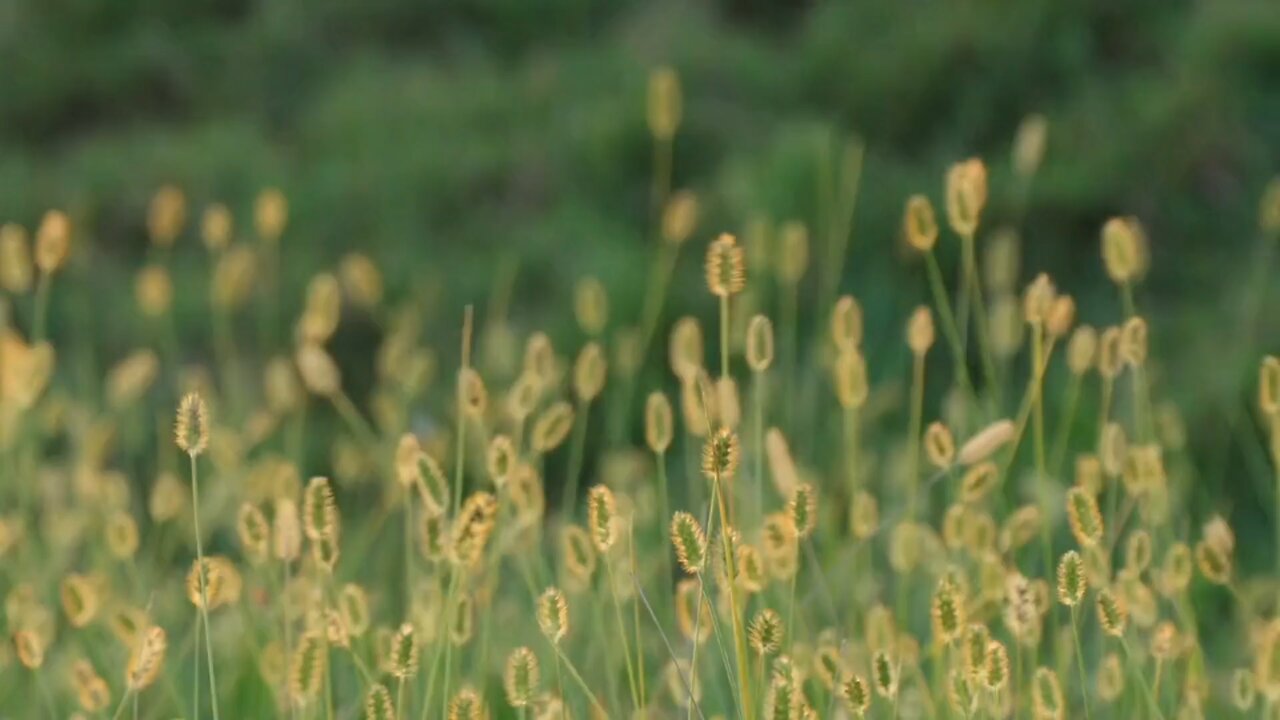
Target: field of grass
pixel 984 506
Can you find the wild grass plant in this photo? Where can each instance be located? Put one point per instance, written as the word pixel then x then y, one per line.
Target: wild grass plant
pixel 1000 527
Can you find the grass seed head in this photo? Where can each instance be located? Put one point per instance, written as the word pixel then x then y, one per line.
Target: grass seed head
pixel 1244 689
pixel 191 428
pixel 589 372
pixel 995 667
pixel 680 217
pixel 1112 613
pixel 850 376
pixel 319 372
pixel 16 268
pixel 939 445
pixel 1082 348
pixel 1123 249
pixel 1084 517
pixel 726 267
pixel 602 518
pixel 759 343
pixel 1072 579
pixel 966 191
pixel 920 333
pixel 552 427
pixel 553 615
pixel 403 657
pixel 919 224
pixel 1029 144
pixel 378 704
pixel 884 674
pixel 689 541
pixel 146 659
pixel 986 442
pixel 947 612
pixel 765 632
pixel 591 305
pixel 1110 680
pixel 803 509
pixel 658 422
pixel 664 109
pixel 1046 695
pixel 53 241
pixel 472 528
pixel 793 252
pixel 1269 387
pixel 720 456
pixel 978 481
pixel 847 324
pixel 521 676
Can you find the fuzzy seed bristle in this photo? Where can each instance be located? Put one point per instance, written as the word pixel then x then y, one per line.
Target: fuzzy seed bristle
pixel 726 267
pixel 191 428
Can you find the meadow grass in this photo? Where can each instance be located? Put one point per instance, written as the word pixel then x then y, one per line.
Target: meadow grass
pixel 940 544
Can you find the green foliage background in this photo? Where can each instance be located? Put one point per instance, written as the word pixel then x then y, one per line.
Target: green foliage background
pixel 450 139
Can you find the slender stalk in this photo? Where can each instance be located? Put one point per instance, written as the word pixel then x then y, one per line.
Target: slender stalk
pixel 724 336
pixel 622 634
pixel 949 328
pixel 1142 680
pixel 576 449
pixel 1084 681
pixel 561 658
pixel 204 596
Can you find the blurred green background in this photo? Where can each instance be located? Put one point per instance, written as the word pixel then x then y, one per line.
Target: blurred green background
pixel 448 140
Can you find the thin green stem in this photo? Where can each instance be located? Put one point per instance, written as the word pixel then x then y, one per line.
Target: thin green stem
pixel 204 596
pixel 1084 682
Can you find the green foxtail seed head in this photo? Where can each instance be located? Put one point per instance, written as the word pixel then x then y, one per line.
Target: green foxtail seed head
pixel 689 541
pixel 520 679
pixel 919 224
pixel 765 632
pixel 1072 581
pixel 726 267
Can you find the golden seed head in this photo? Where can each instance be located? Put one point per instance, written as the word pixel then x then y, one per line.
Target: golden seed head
pixel 1133 342
pixel 602 517
pixel 1081 349
pixel 664 105
pixel 680 217
pixel 319 510
pixel 353 605
pixel 1267 659
pixel 1110 678
pixel 1124 249
pixel 16 269
pixel 552 427
pixel 1029 144
pixel 658 422
pixel 1269 207
pixel 216 227
pixel 432 532
pixel 553 615
pixel 122 535
pixel 1038 299
pixel 1137 551
pixel 521 677
pixel 307 667
pixel 947 612
pixel 191 428
pixel 759 343
pixel 962 692
pixel 978 481
pixel 1062 313
pixel 793 252
pixel 378 704
pixel 500 459
pixel 803 509
pixel 166 215
pixel 966 195
pixel 1269 387
pixel 472 528
pixel 579 552
pixel 726 267
pixel 1113 449
pixel 467 705
pixel 720 456
pixel 1244 689
pixel 270 214
pixel 319 372
pixel 403 658
pixel 1072 580
pixel 850 378
pixel 1046 696
pixel 884 674
pixel 856 694
pixel 781 466
pixel 1020 527
pixel 53 241
pixel 234 276
pixel 591 305
pixel 765 632
pixel 1112 613
pixel 919 223
pixel 995 667
pixel 920 332
pixel 132 377
pixel 1083 516
pixel 1214 562
pixel 146 659
pixel 1001 261
pixel 254 531
pixel 939 445
pixel 686 350
pixel 589 372
pixel 286 530
pixel 846 324
pixel 80 600
pixel 984 444
pixel 361 280
pixel 689 541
